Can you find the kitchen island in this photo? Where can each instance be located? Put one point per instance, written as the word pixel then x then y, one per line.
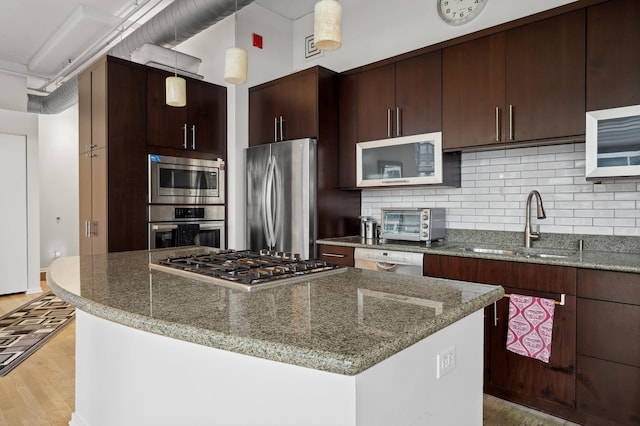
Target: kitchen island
pixel 350 348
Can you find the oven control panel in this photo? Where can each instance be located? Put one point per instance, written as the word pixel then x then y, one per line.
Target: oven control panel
pixel 189 213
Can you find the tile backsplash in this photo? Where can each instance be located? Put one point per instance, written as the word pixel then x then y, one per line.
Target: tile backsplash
pixel 494 190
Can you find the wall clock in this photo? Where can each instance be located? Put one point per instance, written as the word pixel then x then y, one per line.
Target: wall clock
pixel 458 12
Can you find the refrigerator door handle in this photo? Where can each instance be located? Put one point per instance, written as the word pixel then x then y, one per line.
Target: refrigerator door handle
pixel 267 207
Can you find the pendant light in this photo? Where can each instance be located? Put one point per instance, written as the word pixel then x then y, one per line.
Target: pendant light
pixel 235 59
pixel 327 16
pixel 176 87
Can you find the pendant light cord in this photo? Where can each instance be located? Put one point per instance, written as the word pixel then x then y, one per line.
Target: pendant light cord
pixel 175 47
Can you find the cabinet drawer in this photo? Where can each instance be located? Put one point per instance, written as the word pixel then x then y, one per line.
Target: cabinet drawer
pixel 620 287
pixel 549 278
pixel 609 331
pixel 608 391
pixel 338 255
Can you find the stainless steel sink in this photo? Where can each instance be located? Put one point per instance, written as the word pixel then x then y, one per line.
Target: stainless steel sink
pixel 519 252
pixel 488 250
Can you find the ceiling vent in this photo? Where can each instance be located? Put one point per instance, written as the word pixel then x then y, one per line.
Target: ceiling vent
pixel 167 59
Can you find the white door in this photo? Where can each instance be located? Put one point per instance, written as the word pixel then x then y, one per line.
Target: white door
pixel 13 214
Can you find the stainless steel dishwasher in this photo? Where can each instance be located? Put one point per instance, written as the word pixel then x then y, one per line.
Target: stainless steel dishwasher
pixel 398 262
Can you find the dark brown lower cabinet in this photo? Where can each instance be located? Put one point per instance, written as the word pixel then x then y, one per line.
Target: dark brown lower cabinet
pixel 608 369
pixel 548 387
pixel 337 255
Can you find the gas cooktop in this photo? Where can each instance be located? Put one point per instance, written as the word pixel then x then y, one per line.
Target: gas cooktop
pixel 246 269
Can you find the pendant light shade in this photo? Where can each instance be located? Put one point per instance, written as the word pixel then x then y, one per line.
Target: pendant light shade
pixel 176 91
pixel 235 58
pixel 235 65
pixel 327 17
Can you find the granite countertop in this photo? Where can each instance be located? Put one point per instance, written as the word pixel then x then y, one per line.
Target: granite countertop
pixel 590 259
pixel 343 323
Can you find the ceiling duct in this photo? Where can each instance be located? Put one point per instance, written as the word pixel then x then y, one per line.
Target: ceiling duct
pixel 190 17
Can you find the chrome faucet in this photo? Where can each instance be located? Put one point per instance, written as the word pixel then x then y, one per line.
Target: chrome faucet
pixel 529 234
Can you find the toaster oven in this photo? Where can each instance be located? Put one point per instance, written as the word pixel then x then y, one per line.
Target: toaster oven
pixel 413 224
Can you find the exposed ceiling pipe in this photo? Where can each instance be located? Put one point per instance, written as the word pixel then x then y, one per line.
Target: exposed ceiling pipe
pixel 189 16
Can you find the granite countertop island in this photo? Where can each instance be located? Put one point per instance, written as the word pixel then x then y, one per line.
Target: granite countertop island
pixel 341 324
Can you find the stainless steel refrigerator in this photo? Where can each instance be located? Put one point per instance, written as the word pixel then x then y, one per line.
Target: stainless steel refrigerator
pixel 281 197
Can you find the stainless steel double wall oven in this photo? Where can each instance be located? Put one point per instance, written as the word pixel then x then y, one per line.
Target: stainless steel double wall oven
pixel 186 202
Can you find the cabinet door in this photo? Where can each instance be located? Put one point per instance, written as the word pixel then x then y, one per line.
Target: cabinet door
pixel 84 193
pixel 165 124
pixel 84 112
pixel 473 93
pixel 418 84
pixel 529 377
pixel 554 381
pixel 207 117
pixel 348 130
pixel 376 103
pixel 545 82
pixel 298 100
pixel 127 175
pixel 99 227
pixel 263 111
pixel 99 104
pixel 613 63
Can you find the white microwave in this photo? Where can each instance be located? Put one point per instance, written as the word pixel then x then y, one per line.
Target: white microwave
pixel 406 160
pixel 613 143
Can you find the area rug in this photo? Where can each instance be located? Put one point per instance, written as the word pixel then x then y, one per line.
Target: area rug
pixel 25 329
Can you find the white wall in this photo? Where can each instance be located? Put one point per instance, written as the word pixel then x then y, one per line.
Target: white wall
pixel 20 123
pixel 58 185
pixel 14 92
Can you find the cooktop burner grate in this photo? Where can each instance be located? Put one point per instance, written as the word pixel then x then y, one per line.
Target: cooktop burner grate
pixel 247 268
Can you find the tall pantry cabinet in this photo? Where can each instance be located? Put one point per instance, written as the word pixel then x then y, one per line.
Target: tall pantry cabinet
pixel 112 163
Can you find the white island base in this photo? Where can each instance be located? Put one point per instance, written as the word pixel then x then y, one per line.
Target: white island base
pixel 125 376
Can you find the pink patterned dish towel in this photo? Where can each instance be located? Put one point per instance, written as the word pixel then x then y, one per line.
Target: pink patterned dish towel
pixel 530 326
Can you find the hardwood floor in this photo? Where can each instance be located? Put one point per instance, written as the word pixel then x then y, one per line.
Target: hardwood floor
pixel 41 390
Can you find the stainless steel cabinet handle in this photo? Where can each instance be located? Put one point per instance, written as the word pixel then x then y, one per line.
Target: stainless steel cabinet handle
pixel 184 129
pixel 193 137
pixel 510 122
pixel 388 123
pixel 281 132
pixel 497 124
pixel 398 122
pixel 275 129
pixel 95 228
pixel 495 314
pixel 333 255
pixel 86 229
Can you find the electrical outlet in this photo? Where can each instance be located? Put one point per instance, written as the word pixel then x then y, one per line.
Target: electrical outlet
pixel 446 361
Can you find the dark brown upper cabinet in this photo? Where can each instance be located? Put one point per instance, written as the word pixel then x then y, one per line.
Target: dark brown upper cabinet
pixel 286 108
pixel 400 99
pixel 200 126
pixel 521 85
pixel 613 62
